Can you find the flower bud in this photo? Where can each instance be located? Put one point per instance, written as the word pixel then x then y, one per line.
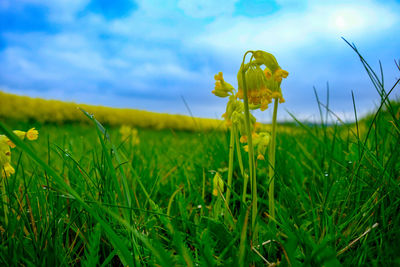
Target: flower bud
pixel 218 184
pixel 222 88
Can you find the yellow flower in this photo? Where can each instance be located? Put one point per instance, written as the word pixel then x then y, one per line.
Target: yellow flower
pixel 268 73
pixel 279 74
pixel 262 85
pixel 260 143
pixel 5 157
pixel 32 134
pixel 20 134
pixel 258 91
pixel 7 170
pixel 10 143
pixel 218 184
pixel 222 88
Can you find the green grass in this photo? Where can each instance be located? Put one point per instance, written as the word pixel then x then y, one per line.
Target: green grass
pixel 82 196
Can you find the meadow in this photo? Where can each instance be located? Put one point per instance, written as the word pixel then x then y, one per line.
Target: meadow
pixel 90 194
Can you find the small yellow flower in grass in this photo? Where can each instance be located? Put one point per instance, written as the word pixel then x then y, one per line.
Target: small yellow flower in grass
pixel 7 170
pixel 10 143
pixel 5 153
pixel 20 134
pixel 32 134
pixel 260 143
pixel 243 139
pixel 218 184
pixel 5 157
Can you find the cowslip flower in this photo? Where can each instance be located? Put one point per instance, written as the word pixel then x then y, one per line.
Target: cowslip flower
pixel 5 153
pixel 222 88
pixel 5 157
pixel 262 85
pixel 258 92
pixel 31 134
pixel 261 142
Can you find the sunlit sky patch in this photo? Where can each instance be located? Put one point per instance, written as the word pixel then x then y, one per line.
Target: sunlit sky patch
pixel 149 54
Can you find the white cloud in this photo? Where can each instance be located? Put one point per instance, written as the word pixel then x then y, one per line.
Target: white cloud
pixel 161 47
pixel 289 30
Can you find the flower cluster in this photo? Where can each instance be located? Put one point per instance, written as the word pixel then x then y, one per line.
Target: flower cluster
pixel 222 88
pixel 5 152
pixel 262 85
pixel 260 143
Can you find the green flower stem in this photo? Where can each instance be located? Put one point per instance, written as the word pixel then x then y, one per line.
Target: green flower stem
pixel 251 149
pixel 4 197
pixel 239 155
pixel 271 159
pixel 230 171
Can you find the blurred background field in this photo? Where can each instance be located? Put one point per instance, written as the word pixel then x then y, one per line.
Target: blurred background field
pixel 27 109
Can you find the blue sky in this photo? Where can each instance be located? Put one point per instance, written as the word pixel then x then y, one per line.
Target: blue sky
pixel 149 54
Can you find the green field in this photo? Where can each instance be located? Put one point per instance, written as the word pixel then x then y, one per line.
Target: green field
pixel 83 195
pixel 330 190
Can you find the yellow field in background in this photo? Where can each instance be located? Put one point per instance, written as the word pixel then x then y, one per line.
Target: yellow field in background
pixel 23 108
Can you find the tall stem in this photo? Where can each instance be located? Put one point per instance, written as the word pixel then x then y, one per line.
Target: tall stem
pixel 271 159
pixel 251 149
pixel 239 155
pixel 230 171
pixel 4 197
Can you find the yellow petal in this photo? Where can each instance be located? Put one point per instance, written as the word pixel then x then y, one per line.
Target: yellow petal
pixel 32 134
pixel 7 170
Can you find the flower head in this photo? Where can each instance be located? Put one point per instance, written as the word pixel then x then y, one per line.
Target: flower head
pixel 258 92
pixel 222 88
pixel 260 143
pixel 6 168
pixel 262 85
pixel 5 157
pixel 32 134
